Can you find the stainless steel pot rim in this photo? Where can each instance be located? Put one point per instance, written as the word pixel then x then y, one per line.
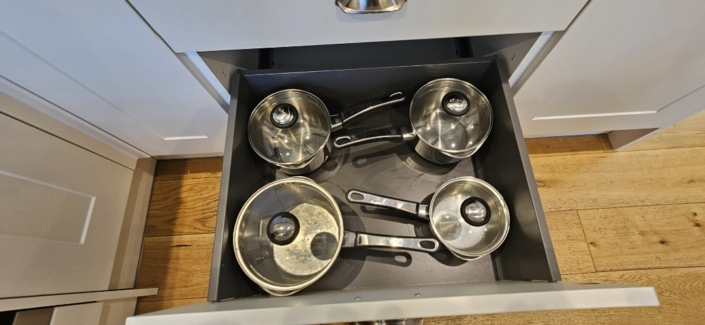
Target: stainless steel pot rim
pixel 461 153
pixel 267 286
pixel 502 205
pixel 298 164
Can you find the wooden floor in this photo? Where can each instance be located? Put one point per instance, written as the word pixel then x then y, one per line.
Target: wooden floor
pixel 629 217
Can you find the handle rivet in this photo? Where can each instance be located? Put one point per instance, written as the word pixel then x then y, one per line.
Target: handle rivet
pixel 417 295
pixel 357 298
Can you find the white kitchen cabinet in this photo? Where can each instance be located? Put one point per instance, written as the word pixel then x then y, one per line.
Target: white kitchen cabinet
pixel 100 61
pixel 628 64
pixel 190 25
pixel 61 211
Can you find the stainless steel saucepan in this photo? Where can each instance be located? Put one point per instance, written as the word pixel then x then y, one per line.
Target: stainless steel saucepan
pixel 450 120
pixel 290 231
pixel 291 128
pixel 466 214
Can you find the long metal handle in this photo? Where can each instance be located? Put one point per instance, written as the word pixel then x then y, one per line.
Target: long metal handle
pixel 353 239
pixel 337 120
pixel 401 134
pixel 369 6
pixel 420 210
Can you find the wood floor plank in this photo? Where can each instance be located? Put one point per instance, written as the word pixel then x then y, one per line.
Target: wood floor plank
pixel 609 180
pixel 685 134
pixel 569 243
pixel 543 147
pixel 189 168
pixel 646 237
pixel 183 206
pixel 681 293
pixel 144 307
pixel 178 265
pixel 606 144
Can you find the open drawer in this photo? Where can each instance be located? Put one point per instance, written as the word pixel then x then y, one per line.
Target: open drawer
pixel 373 284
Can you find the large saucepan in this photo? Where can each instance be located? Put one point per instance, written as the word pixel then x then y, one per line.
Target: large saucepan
pixel 466 214
pixel 450 120
pixel 290 231
pixel 291 128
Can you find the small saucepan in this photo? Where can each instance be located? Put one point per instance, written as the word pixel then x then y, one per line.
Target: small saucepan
pixel 450 120
pixel 291 128
pixel 289 233
pixel 466 214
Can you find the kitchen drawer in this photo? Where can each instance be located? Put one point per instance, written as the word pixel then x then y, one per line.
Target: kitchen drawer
pixel 188 25
pixel 368 284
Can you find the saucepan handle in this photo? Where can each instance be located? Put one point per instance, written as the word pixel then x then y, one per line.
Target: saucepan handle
pixel 337 120
pixel 355 196
pixel 353 239
pixel 393 134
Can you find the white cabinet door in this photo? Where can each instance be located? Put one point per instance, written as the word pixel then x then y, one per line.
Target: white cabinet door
pixel 61 211
pixel 626 64
pixel 100 61
pixel 192 25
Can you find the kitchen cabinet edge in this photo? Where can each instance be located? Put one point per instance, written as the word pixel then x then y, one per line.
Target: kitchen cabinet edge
pixel 29 108
pixel 411 302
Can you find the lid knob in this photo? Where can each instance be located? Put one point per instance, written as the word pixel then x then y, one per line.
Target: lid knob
pixel 283 228
pixel 284 115
pixel 475 211
pixel 455 103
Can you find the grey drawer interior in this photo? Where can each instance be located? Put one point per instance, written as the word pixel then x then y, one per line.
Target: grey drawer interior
pixel 391 169
pixel 510 48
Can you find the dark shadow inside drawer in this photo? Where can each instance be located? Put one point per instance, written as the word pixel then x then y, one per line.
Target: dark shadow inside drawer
pixel 390 169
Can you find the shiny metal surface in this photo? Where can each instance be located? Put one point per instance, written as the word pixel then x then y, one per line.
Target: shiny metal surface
pixel 402 134
pixel 353 239
pixel 441 137
pixel 296 144
pixel 432 154
pixel 310 165
pixel 282 228
pixel 283 115
pixel 291 128
pixel 353 112
pixel 476 212
pixel 447 224
pixel 284 270
pixel 455 135
pixel 369 6
pixel 456 104
pixel 355 196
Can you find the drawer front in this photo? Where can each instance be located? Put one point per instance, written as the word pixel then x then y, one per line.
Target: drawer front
pixel 420 302
pixel 188 25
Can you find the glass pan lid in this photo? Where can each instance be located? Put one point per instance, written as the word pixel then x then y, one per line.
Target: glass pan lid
pixel 267 248
pixel 451 115
pixel 470 216
pixel 289 127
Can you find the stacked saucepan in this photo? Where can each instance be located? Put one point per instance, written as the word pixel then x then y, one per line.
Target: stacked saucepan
pixel 289 232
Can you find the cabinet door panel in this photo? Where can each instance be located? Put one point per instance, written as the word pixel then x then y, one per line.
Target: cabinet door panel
pixel 100 61
pixel 188 25
pixel 620 65
pixel 61 211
